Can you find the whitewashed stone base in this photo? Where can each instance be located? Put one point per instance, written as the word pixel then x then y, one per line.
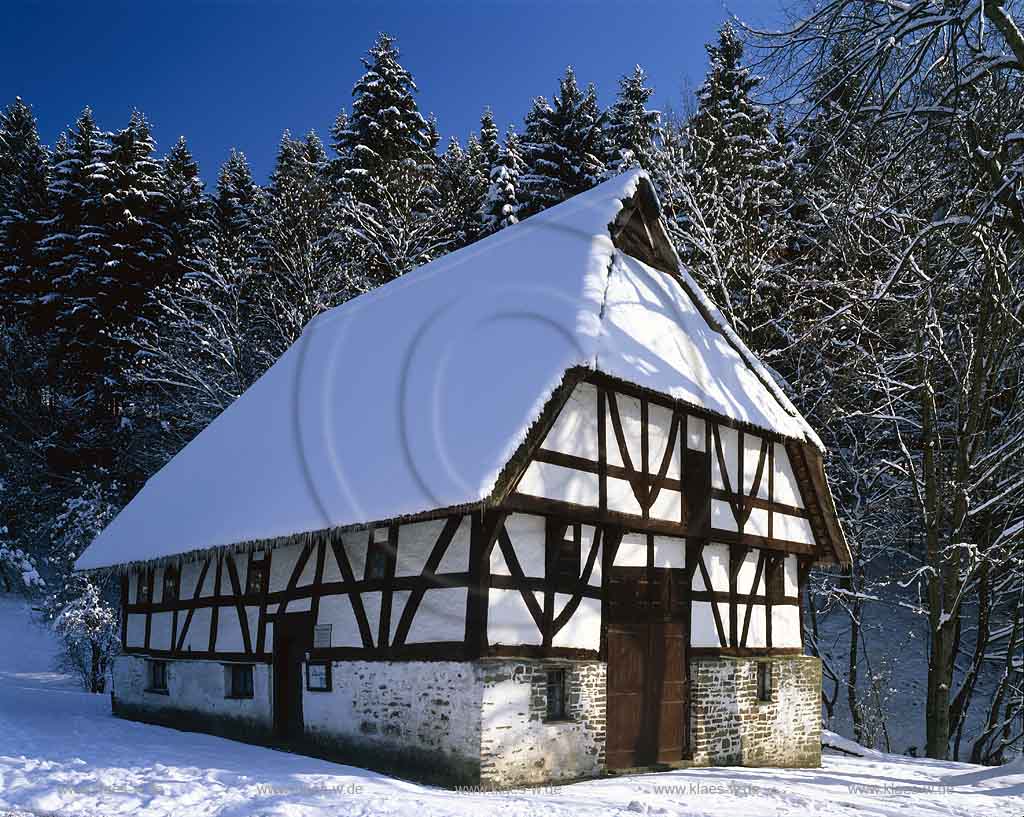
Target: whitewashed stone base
pixel 194 698
pixel 730 727
pixel 518 747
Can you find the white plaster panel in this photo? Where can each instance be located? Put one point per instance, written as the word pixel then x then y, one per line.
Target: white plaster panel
pixel 583 629
pixel 371 604
pixel 282 563
pixel 575 430
pixel 659 428
pixel 757 522
pixel 722 517
pixel 441 616
pixel 669 551
pixel 790 577
pixel 751 456
pixel 197 639
pixel 456 557
pixel 792 528
pixel 355 549
pixel 210 582
pixel 756 631
pixel 337 611
pixel 399 598
pixel 696 437
pixel 632 428
pixel 558 482
pixel 730 441
pixel 415 541
pixel 158 585
pixel 308 570
pixel 786 625
pixel 189 577
pixel 785 488
pixel 508 619
pixel 621 497
pixel 716 560
pixel 632 551
pixel 229 633
pixel 332 573
pixel 747 571
pixel 136 630
pixel 703 632
pixel 526 532
pixel 160 631
pixel 133 586
pixel 668 506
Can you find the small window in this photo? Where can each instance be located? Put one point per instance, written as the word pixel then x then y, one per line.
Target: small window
pixel 256 578
pixel 170 592
pixel 157 671
pixel 318 676
pixel 142 588
pixel 764 681
pixel 238 680
pixel 556 710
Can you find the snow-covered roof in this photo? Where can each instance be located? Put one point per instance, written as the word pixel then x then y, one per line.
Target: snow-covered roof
pixel 415 396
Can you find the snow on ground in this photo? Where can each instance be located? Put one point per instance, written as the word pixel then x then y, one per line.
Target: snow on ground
pixel 61 752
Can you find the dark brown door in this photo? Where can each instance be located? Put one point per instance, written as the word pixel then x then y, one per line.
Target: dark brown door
pixel 293 636
pixel 648 705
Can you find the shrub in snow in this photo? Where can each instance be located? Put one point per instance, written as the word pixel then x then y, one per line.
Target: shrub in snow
pixel 89 631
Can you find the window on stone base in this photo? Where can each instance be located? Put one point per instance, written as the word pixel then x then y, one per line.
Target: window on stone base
pixel 556 706
pixel 764 681
pixel 156 672
pixel 238 680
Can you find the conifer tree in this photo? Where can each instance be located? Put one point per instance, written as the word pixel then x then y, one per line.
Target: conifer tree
pixel 501 203
pixel 632 129
pixel 387 169
pixel 461 186
pixel 564 145
pixel 236 199
pixel 732 227
pixel 385 129
pixel 23 208
pixel 187 210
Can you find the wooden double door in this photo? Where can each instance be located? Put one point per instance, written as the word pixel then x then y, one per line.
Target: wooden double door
pixel 648 676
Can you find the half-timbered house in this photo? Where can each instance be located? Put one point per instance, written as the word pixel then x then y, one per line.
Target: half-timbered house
pixel 529 513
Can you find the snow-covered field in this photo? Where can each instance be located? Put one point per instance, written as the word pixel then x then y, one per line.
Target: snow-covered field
pixel 61 752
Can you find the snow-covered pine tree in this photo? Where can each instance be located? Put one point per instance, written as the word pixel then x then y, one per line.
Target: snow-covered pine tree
pixel 386 169
pixel 732 223
pixel 461 186
pixel 71 192
pixel 564 146
pixel 24 169
pixel 187 211
pixel 632 129
pixel 236 200
pixel 302 268
pixel 124 248
pixel 501 203
pixel 385 130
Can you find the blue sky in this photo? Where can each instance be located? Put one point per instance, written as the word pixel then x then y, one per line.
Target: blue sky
pixel 238 73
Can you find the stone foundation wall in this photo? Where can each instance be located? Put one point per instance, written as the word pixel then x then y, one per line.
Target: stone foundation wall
pixel 194 699
pixel 730 727
pixel 413 718
pixel 518 745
